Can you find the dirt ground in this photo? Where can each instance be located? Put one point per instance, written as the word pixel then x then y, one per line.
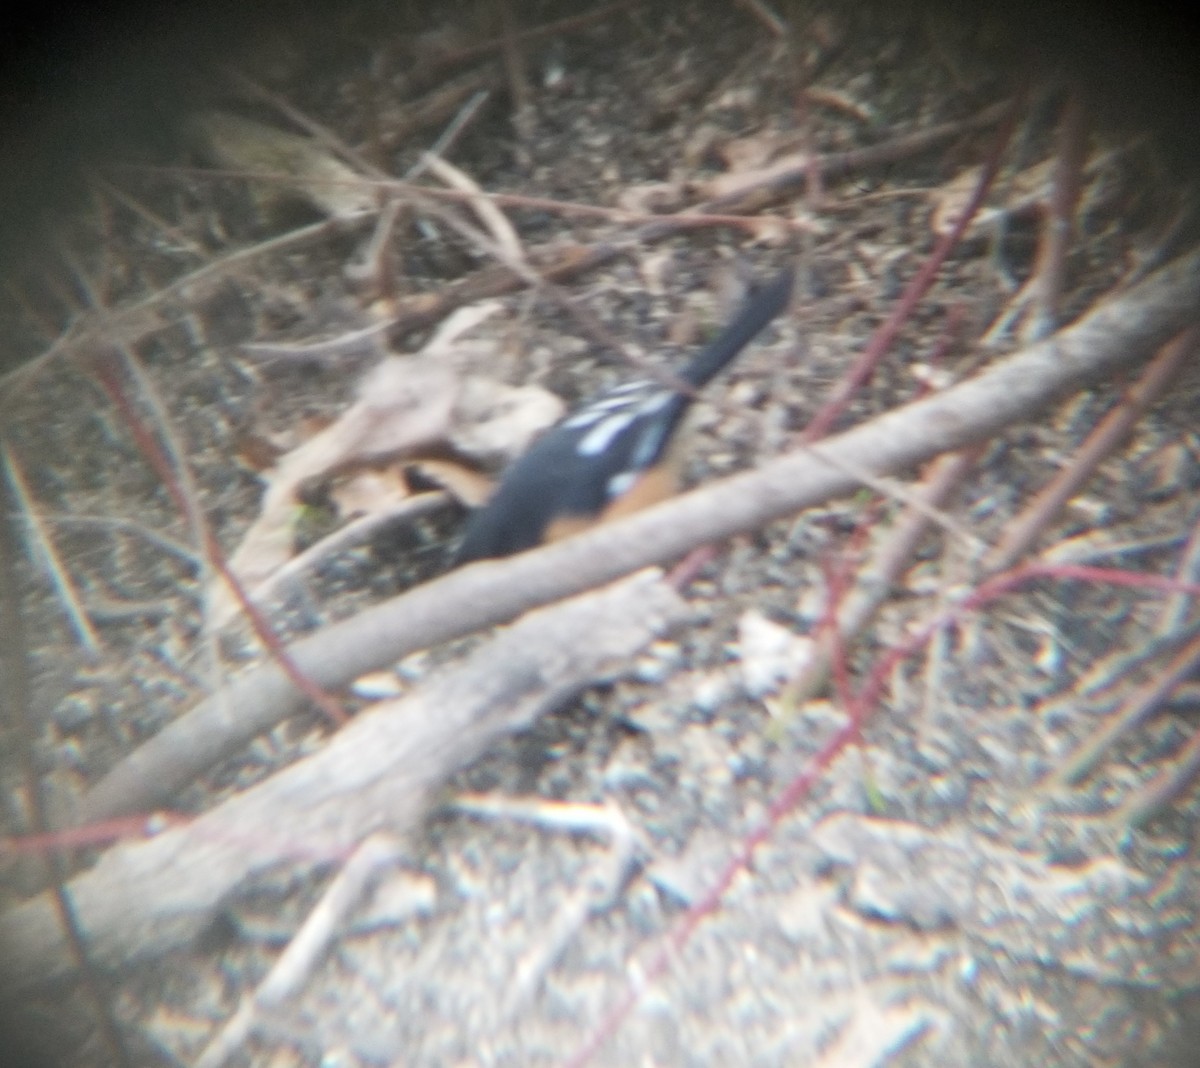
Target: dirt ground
pixel 643 876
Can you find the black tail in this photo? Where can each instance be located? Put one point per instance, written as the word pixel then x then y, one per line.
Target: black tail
pixel 763 304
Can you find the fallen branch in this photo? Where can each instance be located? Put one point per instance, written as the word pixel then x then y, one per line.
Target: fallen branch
pixel 1115 334
pixel 380 773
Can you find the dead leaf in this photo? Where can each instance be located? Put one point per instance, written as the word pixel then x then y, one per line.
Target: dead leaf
pixel 770 654
pixel 1023 193
pixel 736 183
pixel 257 451
pixel 493 422
pixel 754 151
pixel 406 406
pixel 463 483
pixel 368 491
pixel 304 168
pixel 651 198
pixel 843 103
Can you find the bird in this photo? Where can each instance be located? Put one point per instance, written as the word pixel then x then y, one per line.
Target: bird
pixel 612 456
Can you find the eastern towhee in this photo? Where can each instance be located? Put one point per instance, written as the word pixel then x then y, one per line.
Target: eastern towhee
pixel 612 456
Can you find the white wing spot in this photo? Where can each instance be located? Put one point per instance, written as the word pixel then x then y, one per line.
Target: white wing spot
pixel 621 483
pixel 648 445
pixel 614 400
pixel 598 439
pixel 655 402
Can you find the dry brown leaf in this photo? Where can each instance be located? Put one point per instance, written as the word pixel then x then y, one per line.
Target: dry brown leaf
pixel 772 230
pixel 257 451
pixel 1025 192
pixel 407 405
pixel 493 422
pixel 305 169
pixel 368 491
pixel 843 103
pixel 754 151
pixel 464 483
pixel 736 183
pixel 404 404
pixel 651 198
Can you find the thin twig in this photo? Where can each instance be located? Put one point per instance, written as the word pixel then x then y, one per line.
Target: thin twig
pixel 1022 532
pixel 348 343
pixel 503 232
pixel 296 963
pixel 166 465
pixel 107 522
pixel 1152 798
pixel 41 547
pixel 1178 607
pixel 353 533
pixel 875 582
pixel 14 704
pixel 517 79
pixel 181 239
pixel 1138 707
pixel 591 897
pixel 132 323
pixel 766 17
pixel 885 336
pixel 372 263
pixel 452 132
pixel 1058 222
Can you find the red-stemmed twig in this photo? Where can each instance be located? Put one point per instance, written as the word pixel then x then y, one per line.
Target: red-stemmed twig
pixel 1058 226
pixel 14 701
pixel 107 375
pixel 863 367
pixel 865 701
pixel 1021 533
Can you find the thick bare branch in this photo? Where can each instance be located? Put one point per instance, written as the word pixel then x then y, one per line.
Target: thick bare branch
pixel 1115 334
pixel 380 773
